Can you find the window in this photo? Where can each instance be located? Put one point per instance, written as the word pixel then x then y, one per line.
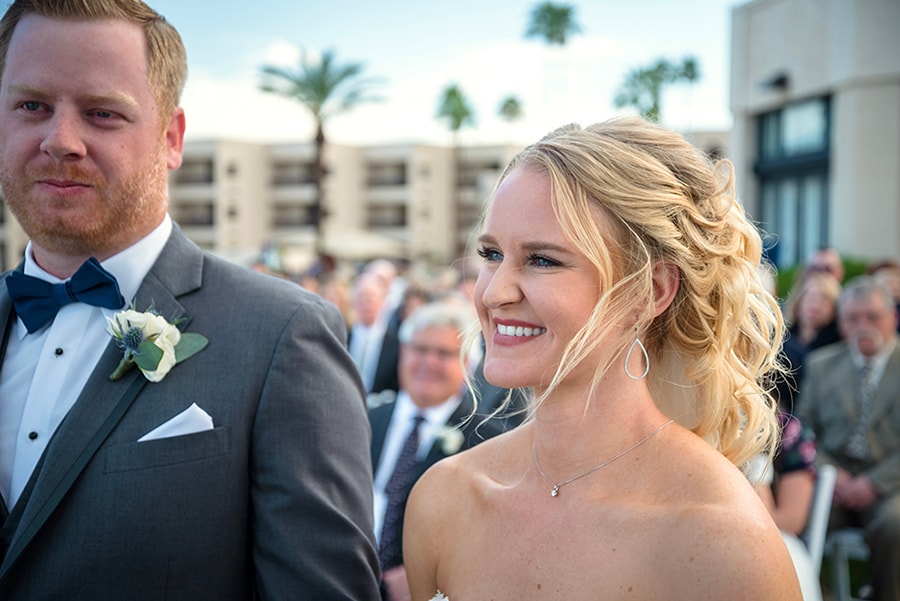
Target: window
pixel 792 167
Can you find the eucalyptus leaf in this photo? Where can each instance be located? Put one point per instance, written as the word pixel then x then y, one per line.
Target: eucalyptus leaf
pixel 148 356
pixel 189 345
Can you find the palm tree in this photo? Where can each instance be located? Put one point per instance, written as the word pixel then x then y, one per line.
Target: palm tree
pixel 454 107
pixel 554 24
pixel 643 86
pixel 326 88
pixel 510 109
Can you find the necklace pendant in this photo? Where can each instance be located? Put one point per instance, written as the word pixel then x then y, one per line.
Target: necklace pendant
pixel 555 491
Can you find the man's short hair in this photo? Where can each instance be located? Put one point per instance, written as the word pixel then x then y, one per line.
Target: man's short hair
pixel 166 57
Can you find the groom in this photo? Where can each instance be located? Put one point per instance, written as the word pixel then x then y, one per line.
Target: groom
pixel 240 473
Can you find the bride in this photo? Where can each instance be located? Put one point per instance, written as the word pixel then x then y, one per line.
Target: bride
pixel 619 283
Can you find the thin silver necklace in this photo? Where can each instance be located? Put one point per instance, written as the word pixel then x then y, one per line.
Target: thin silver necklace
pixel 554 492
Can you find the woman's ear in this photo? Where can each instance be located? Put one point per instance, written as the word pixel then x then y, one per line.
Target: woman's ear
pixel 666 279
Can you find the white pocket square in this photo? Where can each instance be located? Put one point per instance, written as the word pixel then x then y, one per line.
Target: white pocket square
pixel 191 420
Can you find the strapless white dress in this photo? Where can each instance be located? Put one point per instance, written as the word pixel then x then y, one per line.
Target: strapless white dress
pixel 439 597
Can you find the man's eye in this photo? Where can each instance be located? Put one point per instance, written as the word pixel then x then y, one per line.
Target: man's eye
pixel 31 105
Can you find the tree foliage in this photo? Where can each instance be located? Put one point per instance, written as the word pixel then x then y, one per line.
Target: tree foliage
pixel 510 109
pixel 643 86
pixel 553 22
pixel 325 86
pixel 454 107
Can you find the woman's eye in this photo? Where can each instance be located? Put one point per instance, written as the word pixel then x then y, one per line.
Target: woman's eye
pixel 542 261
pixel 489 254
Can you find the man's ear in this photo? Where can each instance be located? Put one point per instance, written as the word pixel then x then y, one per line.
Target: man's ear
pixel 175 139
pixel 666 280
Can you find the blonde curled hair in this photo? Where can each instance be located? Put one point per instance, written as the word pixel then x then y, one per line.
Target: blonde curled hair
pixel 633 196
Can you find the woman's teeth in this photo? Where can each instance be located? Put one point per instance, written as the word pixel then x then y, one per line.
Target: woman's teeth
pixel 519 331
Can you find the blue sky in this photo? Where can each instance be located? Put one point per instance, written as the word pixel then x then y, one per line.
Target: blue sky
pixel 419 47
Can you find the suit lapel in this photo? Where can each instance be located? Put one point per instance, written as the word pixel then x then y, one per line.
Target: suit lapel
pixel 380 420
pixel 70 448
pixel 436 453
pixel 176 271
pixel 6 323
pixel 886 393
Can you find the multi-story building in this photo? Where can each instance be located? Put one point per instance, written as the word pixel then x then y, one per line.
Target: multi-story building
pixel 815 94
pixel 246 201
pixel 414 202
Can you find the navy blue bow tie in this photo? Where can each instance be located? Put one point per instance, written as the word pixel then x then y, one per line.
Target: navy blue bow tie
pixel 37 301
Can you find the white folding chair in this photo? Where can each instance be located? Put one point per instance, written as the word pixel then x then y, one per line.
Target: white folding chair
pixel 817 524
pixel 842 546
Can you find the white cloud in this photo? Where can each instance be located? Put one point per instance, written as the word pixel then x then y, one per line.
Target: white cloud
pixel 576 84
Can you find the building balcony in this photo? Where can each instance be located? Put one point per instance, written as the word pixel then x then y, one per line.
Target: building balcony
pixel 388 195
pixel 186 193
pixel 302 194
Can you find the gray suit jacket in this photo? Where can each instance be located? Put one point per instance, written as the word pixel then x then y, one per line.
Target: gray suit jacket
pixel 274 503
pixel 828 403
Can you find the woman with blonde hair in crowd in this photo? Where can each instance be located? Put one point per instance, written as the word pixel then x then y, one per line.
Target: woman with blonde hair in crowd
pixel 619 283
pixel 811 310
pixel 811 316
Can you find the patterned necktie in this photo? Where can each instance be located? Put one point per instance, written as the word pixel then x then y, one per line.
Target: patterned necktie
pixel 37 301
pixel 858 446
pixel 396 490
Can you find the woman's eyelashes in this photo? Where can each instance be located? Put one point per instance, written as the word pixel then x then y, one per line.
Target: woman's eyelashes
pixel 492 255
pixel 542 261
pixel 489 254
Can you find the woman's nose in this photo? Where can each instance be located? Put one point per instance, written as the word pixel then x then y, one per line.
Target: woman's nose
pixel 502 287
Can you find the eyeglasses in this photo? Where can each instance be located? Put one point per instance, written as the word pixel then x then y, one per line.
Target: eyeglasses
pixel 444 354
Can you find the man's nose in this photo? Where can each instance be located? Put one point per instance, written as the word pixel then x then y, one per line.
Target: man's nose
pixel 63 139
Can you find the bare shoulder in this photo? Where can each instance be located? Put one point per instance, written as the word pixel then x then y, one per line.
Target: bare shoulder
pixel 457 480
pixel 719 526
pixel 452 487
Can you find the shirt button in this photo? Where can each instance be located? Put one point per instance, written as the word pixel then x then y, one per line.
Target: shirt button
pixel 58 352
pixel 32 435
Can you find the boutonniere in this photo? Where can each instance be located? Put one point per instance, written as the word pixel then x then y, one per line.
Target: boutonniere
pixel 151 343
pixel 450 439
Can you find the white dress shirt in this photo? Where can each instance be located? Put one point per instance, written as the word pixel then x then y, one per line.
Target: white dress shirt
pixel 365 348
pixel 878 363
pixel 43 373
pixel 401 425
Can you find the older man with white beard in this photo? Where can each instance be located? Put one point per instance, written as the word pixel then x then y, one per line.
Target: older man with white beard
pixel 851 398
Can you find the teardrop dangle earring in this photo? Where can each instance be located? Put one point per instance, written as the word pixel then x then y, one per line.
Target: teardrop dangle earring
pixel 637 343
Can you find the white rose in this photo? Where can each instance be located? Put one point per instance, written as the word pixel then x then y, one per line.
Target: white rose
pixel 167 338
pixel 153 327
pixel 451 440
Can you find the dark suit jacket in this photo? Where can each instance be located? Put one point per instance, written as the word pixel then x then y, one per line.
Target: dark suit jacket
pixel 829 404
pixel 491 398
pixel 386 370
pixel 474 432
pixel 274 503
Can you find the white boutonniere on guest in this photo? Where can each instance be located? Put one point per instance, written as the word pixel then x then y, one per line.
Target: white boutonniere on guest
pixel 151 343
pixel 450 439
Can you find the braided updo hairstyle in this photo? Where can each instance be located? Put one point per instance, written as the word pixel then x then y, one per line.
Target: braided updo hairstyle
pixel 632 196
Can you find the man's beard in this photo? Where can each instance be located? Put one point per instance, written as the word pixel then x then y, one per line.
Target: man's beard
pixel 122 215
